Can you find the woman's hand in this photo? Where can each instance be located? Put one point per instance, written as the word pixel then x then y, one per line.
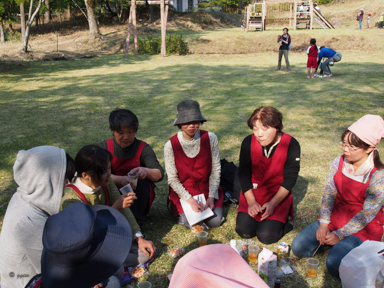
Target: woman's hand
pixel 197 207
pixel 210 203
pixel 331 239
pixel 98 285
pixel 141 172
pixel 145 246
pixel 322 233
pixel 254 208
pixel 124 201
pixel 120 180
pixel 268 209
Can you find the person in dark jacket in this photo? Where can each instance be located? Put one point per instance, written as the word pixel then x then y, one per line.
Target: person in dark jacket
pixel 285 45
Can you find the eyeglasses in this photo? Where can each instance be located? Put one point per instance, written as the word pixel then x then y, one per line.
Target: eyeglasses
pixel 350 148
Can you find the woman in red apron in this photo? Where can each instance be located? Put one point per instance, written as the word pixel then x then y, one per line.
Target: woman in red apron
pixel 351 209
pixel 268 170
pixel 192 162
pixel 134 156
pixel 93 186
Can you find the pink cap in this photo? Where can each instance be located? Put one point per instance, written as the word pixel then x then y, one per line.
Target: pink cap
pixel 369 128
pixel 214 266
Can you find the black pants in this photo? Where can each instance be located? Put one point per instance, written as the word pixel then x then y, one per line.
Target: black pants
pixel 267 231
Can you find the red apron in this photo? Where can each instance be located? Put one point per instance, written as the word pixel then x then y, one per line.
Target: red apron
pixel 121 167
pixel 74 187
pixel 193 172
pixel 268 174
pixel 349 201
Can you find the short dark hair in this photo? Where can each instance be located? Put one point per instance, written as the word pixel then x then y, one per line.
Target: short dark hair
pixel 268 116
pixel 71 169
pixel 92 160
pixel 285 28
pixel 313 41
pixel 123 117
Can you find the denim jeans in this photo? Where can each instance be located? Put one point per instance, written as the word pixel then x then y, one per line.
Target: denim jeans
pixel 305 244
pixel 360 21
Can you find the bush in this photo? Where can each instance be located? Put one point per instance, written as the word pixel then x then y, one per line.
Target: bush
pixel 12 35
pixel 175 44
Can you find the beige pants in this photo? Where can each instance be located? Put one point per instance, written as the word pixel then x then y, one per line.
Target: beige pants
pixel 285 52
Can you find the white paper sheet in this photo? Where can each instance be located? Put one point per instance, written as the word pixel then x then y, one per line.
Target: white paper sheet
pixel 191 215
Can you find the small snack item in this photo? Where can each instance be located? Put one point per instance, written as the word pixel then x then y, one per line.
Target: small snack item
pixel 244 247
pixel 197 228
pixel 176 252
pixel 282 251
pixel 137 272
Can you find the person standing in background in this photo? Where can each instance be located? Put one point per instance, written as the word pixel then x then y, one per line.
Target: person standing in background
pixel 360 17
pixel 381 20
pixel 285 42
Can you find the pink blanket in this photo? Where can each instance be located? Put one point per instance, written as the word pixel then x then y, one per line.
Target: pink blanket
pixel 211 266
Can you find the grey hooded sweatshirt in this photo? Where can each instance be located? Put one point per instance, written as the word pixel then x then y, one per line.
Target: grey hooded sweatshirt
pixel 39 173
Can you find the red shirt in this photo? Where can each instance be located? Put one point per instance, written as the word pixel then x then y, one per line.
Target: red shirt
pixel 312 51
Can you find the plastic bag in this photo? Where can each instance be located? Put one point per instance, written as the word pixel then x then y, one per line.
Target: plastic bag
pixel 361 265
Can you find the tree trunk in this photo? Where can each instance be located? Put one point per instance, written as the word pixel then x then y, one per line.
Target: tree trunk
pixel 93 28
pixel 69 12
pixel 152 13
pixel 2 38
pixel 47 14
pixel 133 11
pixel 240 6
pixel 22 21
pixel 31 17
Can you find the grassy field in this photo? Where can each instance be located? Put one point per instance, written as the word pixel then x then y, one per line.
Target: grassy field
pixel 67 103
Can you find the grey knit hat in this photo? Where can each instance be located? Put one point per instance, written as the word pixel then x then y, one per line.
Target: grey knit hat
pixel 188 111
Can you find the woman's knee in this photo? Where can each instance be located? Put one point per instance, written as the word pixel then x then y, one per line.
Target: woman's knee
pixel 245 225
pixel 268 237
pixel 333 263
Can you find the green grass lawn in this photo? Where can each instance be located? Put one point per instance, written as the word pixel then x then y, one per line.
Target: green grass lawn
pixel 67 103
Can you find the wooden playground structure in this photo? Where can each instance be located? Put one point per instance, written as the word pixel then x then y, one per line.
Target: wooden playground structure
pixel 290 13
pixel 164 6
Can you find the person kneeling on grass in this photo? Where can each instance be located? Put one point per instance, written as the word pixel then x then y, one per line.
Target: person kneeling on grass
pixel 351 208
pixel 333 56
pixel 268 170
pixel 84 246
pixel 93 186
pixel 192 162
pixel 131 155
pixel 41 174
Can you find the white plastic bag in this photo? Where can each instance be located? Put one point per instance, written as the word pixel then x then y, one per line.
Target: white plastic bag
pixel 359 267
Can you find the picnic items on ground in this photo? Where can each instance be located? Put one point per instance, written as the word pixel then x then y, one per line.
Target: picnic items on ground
pixel 361 266
pixel 191 215
pixel 267 264
pixel 214 266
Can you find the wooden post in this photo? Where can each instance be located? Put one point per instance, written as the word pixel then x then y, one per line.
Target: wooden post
pixel 295 18
pixel 311 12
pixel 248 15
pixel 290 15
pixel 133 9
pixel 129 32
pixel 162 12
pixel 264 12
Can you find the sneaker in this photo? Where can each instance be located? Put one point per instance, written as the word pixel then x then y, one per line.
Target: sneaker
pixel 277 69
pixel 313 76
pixel 327 76
pixel 288 70
pixel 308 76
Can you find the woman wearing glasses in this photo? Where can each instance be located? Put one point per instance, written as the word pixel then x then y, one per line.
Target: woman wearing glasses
pixel 192 162
pixel 351 208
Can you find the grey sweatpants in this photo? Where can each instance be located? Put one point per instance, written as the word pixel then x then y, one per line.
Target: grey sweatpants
pixel 285 52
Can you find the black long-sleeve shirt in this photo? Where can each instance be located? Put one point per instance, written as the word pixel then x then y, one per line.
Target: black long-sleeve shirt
pixel 147 158
pixel 291 166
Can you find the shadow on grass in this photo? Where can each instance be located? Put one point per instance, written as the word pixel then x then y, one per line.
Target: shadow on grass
pixel 68 104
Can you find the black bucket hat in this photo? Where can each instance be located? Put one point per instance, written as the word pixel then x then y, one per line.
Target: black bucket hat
pixel 188 111
pixel 83 246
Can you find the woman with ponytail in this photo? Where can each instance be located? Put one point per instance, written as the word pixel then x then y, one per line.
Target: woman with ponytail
pixel 351 208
